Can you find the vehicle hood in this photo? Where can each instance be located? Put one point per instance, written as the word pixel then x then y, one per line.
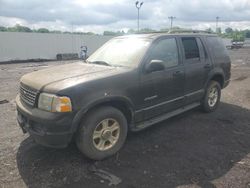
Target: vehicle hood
pixel 67 75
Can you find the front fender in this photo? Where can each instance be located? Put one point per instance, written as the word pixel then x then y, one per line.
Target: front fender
pixel 80 114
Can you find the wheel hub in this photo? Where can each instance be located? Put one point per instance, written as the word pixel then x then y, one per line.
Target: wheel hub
pixel 106 134
pixel 213 97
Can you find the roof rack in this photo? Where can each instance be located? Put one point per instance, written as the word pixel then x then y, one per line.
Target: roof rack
pixel 188 31
pixel 178 31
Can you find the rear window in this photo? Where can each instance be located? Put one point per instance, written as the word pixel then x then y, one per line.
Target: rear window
pixel 191 48
pixel 216 45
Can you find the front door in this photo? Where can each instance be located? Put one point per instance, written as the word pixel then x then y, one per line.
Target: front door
pixel 162 91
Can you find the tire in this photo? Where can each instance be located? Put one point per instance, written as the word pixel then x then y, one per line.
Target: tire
pixel 208 104
pixel 109 139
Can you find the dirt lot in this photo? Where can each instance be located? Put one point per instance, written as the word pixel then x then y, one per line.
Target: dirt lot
pixel 191 150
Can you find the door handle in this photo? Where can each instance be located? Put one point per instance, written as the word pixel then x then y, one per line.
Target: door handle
pixel 207 66
pixel 177 73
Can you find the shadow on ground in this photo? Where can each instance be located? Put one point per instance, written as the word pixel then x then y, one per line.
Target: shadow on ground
pixel 192 148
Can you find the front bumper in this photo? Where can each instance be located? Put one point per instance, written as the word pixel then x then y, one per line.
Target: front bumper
pixel 47 128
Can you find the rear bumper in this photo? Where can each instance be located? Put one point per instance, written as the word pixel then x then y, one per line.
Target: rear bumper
pixel 48 129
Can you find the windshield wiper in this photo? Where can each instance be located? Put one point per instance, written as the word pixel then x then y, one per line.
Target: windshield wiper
pixel 99 63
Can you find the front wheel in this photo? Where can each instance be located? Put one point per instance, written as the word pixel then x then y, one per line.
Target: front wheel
pixel 102 133
pixel 212 96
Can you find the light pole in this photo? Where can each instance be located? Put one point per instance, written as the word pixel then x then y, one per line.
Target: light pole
pixel 138 6
pixel 217 20
pixel 171 21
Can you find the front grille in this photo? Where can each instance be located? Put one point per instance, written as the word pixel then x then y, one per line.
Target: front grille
pixel 28 95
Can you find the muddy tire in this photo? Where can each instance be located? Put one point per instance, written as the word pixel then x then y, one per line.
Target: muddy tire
pixel 212 96
pixel 102 133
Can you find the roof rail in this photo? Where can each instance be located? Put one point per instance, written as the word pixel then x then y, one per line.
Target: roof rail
pixel 178 31
pixel 189 31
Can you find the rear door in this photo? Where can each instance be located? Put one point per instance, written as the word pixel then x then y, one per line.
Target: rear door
pixel 197 66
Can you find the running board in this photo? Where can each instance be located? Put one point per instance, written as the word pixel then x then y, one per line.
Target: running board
pixel 163 117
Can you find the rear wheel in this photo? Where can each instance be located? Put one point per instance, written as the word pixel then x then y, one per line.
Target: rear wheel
pixel 102 133
pixel 212 96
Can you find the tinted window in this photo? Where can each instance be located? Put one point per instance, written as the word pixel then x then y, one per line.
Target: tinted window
pixel 203 50
pixel 165 50
pixel 190 48
pixel 216 46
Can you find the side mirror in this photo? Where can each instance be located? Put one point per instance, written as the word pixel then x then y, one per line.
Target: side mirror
pixel 155 65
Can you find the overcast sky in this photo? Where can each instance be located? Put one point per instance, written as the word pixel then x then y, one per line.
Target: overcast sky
pixel 100 15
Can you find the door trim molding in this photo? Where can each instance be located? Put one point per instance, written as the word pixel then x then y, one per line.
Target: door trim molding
pixel 150 98
pixel 166 102
pixel 195 92
pixel 159 104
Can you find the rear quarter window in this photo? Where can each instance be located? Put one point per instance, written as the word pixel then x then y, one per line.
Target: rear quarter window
pixel 217 47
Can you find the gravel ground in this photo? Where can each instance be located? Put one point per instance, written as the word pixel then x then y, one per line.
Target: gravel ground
pixel 194 149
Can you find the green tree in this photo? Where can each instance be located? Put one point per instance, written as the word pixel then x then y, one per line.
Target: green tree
pixel 19 28
pixel 2 28
pixel 109 33
pixel 209 30
pixel 164 30
pixel 120 33
pixel 43 30
pixel 131 31
pixel 238 36
pixel 247 33
pixel 176 28
pixel 89 33
pixel 56 31
pixel 228 30
pixel 147 30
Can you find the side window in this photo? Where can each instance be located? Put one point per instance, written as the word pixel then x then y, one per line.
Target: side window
pixel 191 48
pixel 216 45
pixel 203 52
pixel 165 50
pixel 204 49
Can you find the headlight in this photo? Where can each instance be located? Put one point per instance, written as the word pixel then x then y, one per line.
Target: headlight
pixel 53 103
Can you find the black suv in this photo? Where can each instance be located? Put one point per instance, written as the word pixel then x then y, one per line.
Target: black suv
pixel 129 83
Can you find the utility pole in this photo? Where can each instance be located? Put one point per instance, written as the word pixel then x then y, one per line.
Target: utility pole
pixel 171 21
pixel 217 21
pixel 138 6
pixel 72 43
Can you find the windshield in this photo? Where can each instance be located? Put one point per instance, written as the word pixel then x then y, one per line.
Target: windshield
pixel 121 52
